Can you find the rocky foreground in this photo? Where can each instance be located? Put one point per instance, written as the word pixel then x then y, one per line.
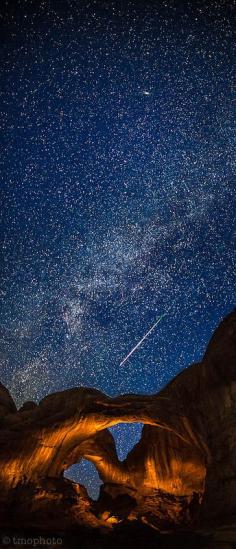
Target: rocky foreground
pixel 177 486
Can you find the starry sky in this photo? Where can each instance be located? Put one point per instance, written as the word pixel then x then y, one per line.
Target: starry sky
pixel 118 200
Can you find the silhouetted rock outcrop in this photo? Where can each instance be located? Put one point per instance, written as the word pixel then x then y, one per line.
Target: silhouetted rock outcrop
pixel 182 471
pixel 7 405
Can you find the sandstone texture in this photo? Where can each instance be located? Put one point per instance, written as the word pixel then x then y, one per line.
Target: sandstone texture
pixel 182 472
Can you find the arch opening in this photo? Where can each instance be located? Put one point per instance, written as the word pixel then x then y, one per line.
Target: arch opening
pixel 126 436
pixel 85 473
pixel 162 460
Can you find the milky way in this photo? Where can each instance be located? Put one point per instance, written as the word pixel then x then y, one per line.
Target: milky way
pixel 119 201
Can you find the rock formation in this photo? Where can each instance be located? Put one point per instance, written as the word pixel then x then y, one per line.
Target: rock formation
pixel 182 470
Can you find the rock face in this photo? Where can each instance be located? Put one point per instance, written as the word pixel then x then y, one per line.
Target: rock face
pixel 183 468
pixel 6 402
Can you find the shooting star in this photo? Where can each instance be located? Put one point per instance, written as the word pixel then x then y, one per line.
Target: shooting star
pixel 143 338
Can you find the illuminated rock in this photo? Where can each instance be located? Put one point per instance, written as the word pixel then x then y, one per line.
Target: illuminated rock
pixel 186 454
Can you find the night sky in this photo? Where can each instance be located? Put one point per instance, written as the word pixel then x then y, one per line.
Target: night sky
pixel 118 193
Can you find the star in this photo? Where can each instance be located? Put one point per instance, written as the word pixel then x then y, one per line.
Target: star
pixel 119 197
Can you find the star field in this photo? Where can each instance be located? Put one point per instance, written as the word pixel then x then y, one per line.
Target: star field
pixel 118 192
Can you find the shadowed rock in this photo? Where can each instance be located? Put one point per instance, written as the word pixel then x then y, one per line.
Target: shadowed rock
pixel 182 469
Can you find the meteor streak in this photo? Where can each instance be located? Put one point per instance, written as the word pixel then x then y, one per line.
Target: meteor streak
pixel 143 338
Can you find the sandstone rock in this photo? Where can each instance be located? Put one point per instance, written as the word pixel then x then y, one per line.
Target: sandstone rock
pixel 183 468
pixel 7 405
pixel 29 405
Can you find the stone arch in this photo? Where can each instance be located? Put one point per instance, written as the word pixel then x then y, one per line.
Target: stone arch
pixel 189 429
pixel 159 460
pixel 72 425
